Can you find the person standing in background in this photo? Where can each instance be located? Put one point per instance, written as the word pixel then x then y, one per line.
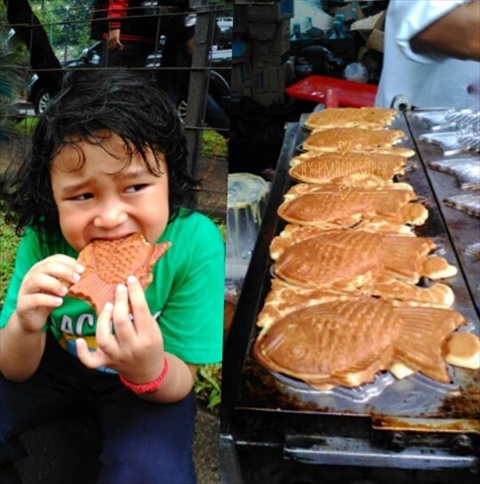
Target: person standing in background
pixel 432 49
pixel 131 34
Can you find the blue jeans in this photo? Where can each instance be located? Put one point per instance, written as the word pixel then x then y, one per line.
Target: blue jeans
pixel 143 442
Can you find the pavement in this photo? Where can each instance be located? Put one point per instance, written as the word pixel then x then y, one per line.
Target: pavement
pixel 206 447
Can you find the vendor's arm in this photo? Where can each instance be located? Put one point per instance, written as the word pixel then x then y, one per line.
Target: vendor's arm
pixel 456 34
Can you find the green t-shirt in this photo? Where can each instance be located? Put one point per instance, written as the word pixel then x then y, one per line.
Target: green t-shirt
pixel 186 295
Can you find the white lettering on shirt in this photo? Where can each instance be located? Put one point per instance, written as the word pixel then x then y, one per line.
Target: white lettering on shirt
pixel 66 326
pixel 88 318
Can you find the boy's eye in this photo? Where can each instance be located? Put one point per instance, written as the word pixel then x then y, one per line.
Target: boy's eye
pixel 135 188
pixel 83 196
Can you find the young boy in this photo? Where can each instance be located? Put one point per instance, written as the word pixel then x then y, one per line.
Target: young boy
pixel 109 160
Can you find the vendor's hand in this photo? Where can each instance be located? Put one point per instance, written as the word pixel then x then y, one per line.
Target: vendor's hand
pixel 43 289
pixel 134 348
pixel 114 40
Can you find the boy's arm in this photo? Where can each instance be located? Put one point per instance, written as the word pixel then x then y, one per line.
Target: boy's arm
pixel 456 34
pixel 177 384
pixel 20 351
pixel 136 350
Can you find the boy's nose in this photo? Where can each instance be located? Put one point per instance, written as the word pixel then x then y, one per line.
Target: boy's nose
pixel 110 216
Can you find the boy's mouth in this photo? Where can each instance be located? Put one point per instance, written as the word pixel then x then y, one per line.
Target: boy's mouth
pixel 113 237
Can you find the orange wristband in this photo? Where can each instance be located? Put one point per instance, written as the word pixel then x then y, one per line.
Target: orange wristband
pixel 150 387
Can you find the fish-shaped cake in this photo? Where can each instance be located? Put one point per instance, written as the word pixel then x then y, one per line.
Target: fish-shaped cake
pixel 109 263
pixel 343 206
pixel 364 117
pixel 473 250
pixel 346 140
pixel 320 167
pixel 466 202
pixel 465 170
pixel 345 260
pixel 348 342
pixel 284 298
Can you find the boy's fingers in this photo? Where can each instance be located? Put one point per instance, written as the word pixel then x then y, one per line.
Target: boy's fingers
pixel 91 359
pixel 140 309
pixel 124 329
pixel 103 332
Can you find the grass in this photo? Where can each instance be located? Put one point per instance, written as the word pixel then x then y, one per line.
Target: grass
pixel 25 126
pixel 208 386
pixel 8 248
pixel 213 144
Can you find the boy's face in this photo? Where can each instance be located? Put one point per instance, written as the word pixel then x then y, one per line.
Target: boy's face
pixel 105 199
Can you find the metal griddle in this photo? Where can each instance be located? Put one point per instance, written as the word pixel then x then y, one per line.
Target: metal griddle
pixel 413 424
pixel 462 228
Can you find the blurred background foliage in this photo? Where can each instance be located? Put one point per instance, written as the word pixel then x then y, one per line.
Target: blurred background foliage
pixel 67 23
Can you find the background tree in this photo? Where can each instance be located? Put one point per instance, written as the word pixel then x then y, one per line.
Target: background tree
pixel 42 58
pixel 67 24
pixel 12 80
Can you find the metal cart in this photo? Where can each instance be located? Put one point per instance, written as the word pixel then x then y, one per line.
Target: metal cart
pixel 414 431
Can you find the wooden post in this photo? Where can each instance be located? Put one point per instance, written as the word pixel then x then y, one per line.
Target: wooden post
pixel 198 87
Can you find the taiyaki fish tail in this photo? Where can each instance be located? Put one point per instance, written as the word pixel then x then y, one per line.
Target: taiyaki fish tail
pixel 403 256
pixel 422 336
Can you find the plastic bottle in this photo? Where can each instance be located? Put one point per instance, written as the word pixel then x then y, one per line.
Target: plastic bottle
pixel 356 71
pixel 339 40
pixel 339 29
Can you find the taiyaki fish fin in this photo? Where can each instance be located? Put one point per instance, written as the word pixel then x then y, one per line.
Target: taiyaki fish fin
pixel 437 295
pixel 403 255
pixel 366 372
pixel 414 213
pixel 284 298
pixel 382 226
pixel 463 349
pixel 436 267
pixel 93 290
pixel 422 336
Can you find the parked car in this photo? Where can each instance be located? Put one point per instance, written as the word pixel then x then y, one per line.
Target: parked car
pixel 225 23
pixel 37 93
pixel 219 75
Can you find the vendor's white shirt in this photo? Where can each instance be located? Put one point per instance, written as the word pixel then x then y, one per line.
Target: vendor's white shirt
pixel 425 80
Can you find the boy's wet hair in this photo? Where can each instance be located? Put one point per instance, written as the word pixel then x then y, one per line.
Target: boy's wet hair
pixel 118 101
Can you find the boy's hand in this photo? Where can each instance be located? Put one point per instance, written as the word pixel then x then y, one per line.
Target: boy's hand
pixel 133 348
pixel 43 289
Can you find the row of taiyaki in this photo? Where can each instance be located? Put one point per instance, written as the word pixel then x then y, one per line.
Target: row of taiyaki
pixel 347 258
pixel 467 173
pixel 455 131
pixel 355 189
pixel 463 128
